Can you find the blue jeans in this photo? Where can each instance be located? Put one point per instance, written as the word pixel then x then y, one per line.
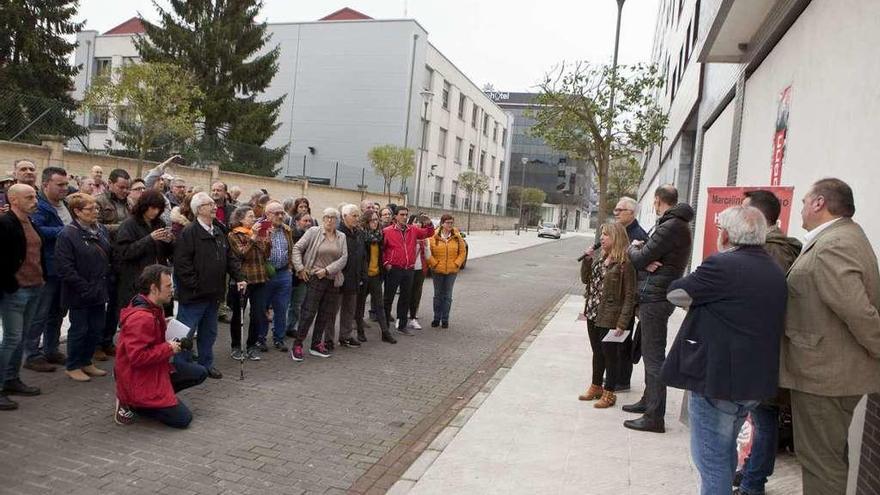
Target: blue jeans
pixel 278 290
pixel 715 425
pixel 297 296
pixel 443 295
pixel 765 441
pixel 201 318
pixel 17 311
pixel 185 375
pixel 86 330
pixel 47 322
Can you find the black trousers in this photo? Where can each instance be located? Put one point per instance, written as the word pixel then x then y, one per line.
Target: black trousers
pixel 402 279
pixel 606 358
pixel 235 304
pixel 626 358
pixel 372 288
pixel 653 320
pixel 415 297
pixel 321 306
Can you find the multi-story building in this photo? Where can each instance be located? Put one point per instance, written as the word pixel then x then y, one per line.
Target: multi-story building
pixel 543 164
pixel 351 83
pixel 773 93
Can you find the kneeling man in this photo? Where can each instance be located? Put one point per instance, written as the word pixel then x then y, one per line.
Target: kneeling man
pixel 146 380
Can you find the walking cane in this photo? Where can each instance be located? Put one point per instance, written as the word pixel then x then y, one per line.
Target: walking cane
pixel 241 302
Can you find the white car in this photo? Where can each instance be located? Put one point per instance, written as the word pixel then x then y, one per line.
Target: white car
pixel 549 230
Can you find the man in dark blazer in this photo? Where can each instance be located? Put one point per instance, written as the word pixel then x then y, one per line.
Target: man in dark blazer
pixel 727 350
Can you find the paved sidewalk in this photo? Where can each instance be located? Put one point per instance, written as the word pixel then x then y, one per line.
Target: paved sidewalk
pixel 532 435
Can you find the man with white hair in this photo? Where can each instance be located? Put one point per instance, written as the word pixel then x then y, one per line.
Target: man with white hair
pixel 727 350
pixel 97 177
pixel 280 283
pixel 202 260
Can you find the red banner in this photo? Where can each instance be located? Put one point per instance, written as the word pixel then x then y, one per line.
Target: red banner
pixel 779 136
pixel 721 198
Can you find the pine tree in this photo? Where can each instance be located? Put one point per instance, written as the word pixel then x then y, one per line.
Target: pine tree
pixel 35 74
pixel 220 43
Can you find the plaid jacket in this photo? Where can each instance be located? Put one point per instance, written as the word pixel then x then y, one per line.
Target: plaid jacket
pixel 253 255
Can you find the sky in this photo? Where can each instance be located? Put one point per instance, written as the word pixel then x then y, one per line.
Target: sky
pixel 509 44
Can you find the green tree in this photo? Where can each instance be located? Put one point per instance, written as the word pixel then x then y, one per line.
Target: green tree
pixel 151 100
pixel 532 199
pixel 624 177
pixel 473 183
pixel 35 72
pixel 392 162
pixel 573 114
pixel 224 47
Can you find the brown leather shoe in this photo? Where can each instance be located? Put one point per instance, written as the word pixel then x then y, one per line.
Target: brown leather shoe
pixel 93 370
pixel 100 355
pixel 593 393
pixel 608 400
pixel 39 364
pixel 78 375
pixel 110 350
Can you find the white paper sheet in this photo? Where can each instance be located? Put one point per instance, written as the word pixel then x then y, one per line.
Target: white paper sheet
pixel 175 330
pixel 612 338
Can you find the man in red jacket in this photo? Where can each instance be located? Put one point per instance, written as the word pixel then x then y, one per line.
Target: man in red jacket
pixel 146 381
pixel 399 258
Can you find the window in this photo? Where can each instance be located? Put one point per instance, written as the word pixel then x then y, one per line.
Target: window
pixel 504 137
pixel 442 143
pixel 98 118
pixel 437 196
pixel 126 61
pixel 471 150
pixel 495 133
pixel 501 170
pixel 492 170
pixel 482 161
pixel 459 144
pixel 453 196
pixel 474 114
pixel 103 67
pixel 462 100
pixel 428 83
pixel 446 89
pixel 486 124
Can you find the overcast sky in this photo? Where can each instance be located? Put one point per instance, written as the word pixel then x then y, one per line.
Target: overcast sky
pixel 508 44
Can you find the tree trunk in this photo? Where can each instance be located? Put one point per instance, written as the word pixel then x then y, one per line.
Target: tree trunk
pixel 142 154
pixel 470 208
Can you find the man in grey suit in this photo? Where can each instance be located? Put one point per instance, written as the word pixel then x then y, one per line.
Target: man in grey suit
pixel 830 353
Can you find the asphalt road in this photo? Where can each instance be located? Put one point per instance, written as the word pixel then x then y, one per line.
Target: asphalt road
pixel 311 427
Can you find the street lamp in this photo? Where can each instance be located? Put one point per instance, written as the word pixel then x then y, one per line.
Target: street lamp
pixel 427 96
pixel 522 186
pixel 610 119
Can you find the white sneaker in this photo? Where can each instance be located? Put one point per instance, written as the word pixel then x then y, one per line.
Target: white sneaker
pixel 414 324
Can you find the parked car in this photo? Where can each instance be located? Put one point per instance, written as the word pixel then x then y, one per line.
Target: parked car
pixel 549 230
pixel 436 222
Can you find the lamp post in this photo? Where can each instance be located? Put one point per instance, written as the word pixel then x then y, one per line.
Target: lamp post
pixel 522 186
pixel 610 119
pixel 427 96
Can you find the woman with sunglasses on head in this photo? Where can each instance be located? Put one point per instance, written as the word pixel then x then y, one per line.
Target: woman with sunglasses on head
pixel 372 287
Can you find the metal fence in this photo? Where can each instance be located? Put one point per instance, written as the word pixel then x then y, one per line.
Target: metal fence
pixel 23 117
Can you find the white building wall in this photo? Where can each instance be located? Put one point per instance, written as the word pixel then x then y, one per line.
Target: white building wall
pixel 834 107
pixel 716 160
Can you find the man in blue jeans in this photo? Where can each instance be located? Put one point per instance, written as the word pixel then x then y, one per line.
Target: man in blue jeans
pixel 49 219
pixel 21 279
pixel 202 261
pixel 280 285
pixel 727 350
pixel 146 383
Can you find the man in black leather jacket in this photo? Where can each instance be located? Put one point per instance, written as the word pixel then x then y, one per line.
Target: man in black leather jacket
pixel 660 261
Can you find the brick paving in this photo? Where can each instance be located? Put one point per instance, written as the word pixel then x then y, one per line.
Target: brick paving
pixel 350 423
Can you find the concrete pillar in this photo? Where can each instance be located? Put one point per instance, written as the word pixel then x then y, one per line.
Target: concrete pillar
pixel 55 145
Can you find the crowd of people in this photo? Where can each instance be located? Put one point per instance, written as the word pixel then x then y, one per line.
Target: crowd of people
pixel 774 328
pixel 114 255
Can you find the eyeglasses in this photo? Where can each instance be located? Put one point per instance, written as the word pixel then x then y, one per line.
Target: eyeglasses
pixel 138 188
pixel 619 210
pixel 89 208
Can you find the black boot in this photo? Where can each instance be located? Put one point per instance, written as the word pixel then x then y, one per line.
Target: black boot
pixel 387 337
pixel 361 336
pixel 646 423
pixel 638 408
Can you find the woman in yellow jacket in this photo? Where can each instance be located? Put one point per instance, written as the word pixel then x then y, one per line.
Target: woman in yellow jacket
pixel 447 255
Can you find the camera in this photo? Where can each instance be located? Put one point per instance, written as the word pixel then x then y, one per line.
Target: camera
pixel 186 343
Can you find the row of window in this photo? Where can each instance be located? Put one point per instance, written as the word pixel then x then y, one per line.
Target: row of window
pixel 673 80
pixel 462 105
pixel 471 154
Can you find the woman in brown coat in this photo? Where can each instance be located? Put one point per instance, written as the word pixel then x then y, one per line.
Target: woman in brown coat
pixel 611 298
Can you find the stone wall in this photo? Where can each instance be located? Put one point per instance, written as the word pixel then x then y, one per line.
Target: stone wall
pixel 52 153
pixel 479 221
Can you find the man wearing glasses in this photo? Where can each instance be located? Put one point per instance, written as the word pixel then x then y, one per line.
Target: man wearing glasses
pixel 280 284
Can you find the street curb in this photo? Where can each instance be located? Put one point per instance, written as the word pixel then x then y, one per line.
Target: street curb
pixel 400 469
pixel 585 234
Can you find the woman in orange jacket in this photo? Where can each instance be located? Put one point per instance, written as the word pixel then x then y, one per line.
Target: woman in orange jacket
pixel 447 255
